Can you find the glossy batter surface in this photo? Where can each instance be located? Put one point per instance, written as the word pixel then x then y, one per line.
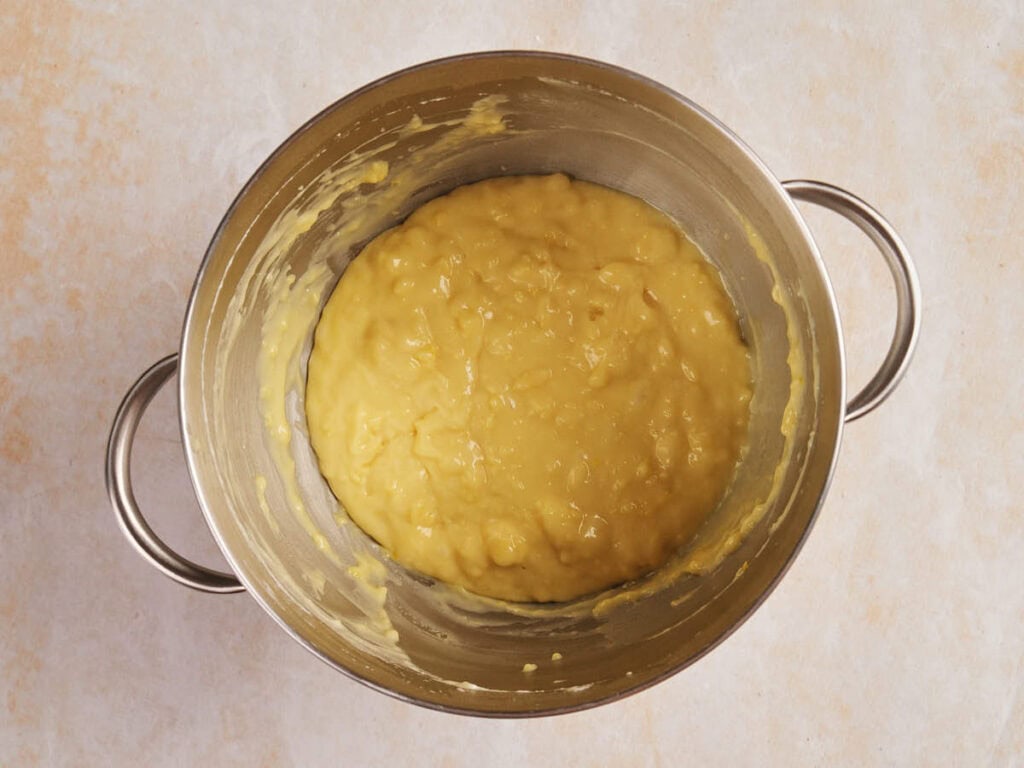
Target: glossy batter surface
pixel 533 388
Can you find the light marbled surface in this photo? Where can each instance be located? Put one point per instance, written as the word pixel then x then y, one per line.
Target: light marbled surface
pixel 125 130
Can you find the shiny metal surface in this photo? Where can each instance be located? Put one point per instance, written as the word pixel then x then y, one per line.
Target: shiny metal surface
pixel 119 488
pixel 595 122
pixel 908 291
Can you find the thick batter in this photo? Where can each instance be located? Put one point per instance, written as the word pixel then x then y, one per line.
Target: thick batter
pixel 533 388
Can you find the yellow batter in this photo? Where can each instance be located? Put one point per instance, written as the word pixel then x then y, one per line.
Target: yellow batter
pixel 534 388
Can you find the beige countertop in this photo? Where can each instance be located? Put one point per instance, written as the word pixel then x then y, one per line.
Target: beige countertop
pixel 897 638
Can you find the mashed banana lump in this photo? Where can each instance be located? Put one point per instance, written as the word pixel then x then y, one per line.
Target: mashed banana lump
pixel 534 388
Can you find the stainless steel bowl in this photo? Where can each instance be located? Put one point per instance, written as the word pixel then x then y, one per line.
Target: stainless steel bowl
pixel 560 113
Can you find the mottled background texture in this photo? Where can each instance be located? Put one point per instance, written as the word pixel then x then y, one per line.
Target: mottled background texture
pixel 127 128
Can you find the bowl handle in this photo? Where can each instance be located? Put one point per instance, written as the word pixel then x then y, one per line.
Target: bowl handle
pixel 908 292
pixel 119 488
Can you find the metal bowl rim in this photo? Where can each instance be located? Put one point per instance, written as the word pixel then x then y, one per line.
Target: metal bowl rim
pixel 191 322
